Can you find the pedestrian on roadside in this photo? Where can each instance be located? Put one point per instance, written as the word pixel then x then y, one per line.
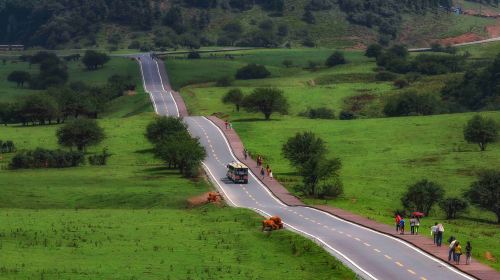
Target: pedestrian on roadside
pixel 262 173
pixel 440 231
pixel 468 253
pixel 230 126
pixel 412 225
pixel 451 249
pixel 402 225
pixel 398 220
pixel 270 174
pixel 417 225
pixel 458 252
pixel 226 123
pixel 434 232
pixel 245 154
pixel 268 170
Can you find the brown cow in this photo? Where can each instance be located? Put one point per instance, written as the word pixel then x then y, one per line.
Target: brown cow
pixel 268 225
pixel 277 220
pixel 213 197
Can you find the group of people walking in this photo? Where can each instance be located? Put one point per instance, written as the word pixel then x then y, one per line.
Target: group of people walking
pixel 455 251
pixel 260 163
pixel 401 224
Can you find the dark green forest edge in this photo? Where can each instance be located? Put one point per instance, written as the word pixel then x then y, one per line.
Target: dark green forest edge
pixel 159 24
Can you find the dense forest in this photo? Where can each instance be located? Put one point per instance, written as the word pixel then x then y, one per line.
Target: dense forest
pixel 52 23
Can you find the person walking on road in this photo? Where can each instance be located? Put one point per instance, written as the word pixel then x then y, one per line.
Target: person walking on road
pixel 434 232
pixel 245 154
pixel 458 252
pixel 398 220
pixel 402 225
pixel 412 225
pixel 417 224
pixel 226 123
pixel 451 249
pixel 230 126
pixel 440 231
pixel 263 173
pixel 268 170
pixel 468 252
pixel 270 174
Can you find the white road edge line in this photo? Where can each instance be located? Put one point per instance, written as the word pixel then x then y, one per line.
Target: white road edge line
pixel 145 87
pixel 169 92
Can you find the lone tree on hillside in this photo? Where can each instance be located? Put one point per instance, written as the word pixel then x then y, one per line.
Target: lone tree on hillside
pixel 234 96
pixel 266 101
pixel 163 128
pixel 481 131
pixel 337 58
pixel 320 175
pixel 252 71
pixel 485 192
pixel 287 63
pixel 19 77
pixel 80 133
pixel 93 60
pixel 453 207
pixel 422 196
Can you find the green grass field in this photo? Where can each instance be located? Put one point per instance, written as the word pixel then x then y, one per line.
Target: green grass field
pixel 129 219
pixel 380 156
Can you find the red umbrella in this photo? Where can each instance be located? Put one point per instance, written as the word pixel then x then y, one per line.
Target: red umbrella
pixel 418 214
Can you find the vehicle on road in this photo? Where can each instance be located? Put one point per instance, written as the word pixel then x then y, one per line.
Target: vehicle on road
pixel 237 173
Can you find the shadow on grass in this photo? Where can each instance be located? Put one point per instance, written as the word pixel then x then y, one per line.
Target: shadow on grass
pixel 145 151
pixel 479 220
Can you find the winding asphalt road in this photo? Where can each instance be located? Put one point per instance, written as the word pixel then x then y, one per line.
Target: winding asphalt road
pixel 370 254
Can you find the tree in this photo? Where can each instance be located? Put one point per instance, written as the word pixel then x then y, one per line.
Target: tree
pixel 234 96
pixel 401 83
pixel 485 192
pixel 266 101
pixel 81 134
pixel 337 58
pixel 481 131
pixel 93 60
pixel 373 50
pixel 422 196
pixel 164 127
pixel 194 55
pixel 19 77
pixel 307 152
pixel 252 71
pixel 308 17
pixel 287 63
pixel 453 207
pixel 303 147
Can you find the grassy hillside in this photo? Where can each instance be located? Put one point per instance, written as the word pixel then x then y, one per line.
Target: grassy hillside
pixel 380 156
pixel 129 219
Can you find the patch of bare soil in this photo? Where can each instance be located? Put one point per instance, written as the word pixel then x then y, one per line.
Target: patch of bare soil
pixel 199 200
pixel 464 38
pixel 494 30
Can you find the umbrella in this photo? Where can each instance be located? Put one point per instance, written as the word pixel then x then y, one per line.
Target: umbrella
pixel 418 214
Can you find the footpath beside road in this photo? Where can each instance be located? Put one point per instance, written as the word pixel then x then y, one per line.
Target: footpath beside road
pixel 475 269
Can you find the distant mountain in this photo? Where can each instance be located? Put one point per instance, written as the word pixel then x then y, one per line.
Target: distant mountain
pixel 148 24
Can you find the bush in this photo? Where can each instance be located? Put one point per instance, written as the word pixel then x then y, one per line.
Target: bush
pixel 330 189
pixel 42 158
pixel 453 207
pixel 385 76
pixel 224 82
pixel 252 71
pixel 411 104
pixel 135 45
pixel 373 50
pixel 422 196
pixel 7 147
pixel 319 113
pixel 401 83
pixel 347 115
pixel 100 159
pixel 337 58
pixel 194 55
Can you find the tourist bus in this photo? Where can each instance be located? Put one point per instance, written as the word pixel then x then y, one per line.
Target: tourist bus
pixel 237 172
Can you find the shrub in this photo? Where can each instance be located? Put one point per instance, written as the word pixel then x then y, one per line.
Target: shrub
pixel 373 50
pixel 42 158
pixel 337 58
pixel 194 55
pixel 7 147
pixel 347 115
pixel 422 196
pixel 401 83
pixel 224 82
pixel 252 71
pixel 485 192
pixel 385 76
pixel 319 113
pixel 453 207
pixel 100 159
pixel 410 104
pixel 135 45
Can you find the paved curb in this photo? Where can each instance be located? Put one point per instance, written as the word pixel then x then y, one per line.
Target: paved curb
pixel 475 269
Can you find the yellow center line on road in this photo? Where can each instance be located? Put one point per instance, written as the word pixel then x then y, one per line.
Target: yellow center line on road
pixel 366 244
pixel 357 239
pixel 387 257
pixel 411 271
pixel 376 250
pixel 399 264
pixel 423 278
pixel 348 235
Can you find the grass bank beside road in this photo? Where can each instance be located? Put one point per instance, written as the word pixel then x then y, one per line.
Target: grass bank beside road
pixel 380 156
